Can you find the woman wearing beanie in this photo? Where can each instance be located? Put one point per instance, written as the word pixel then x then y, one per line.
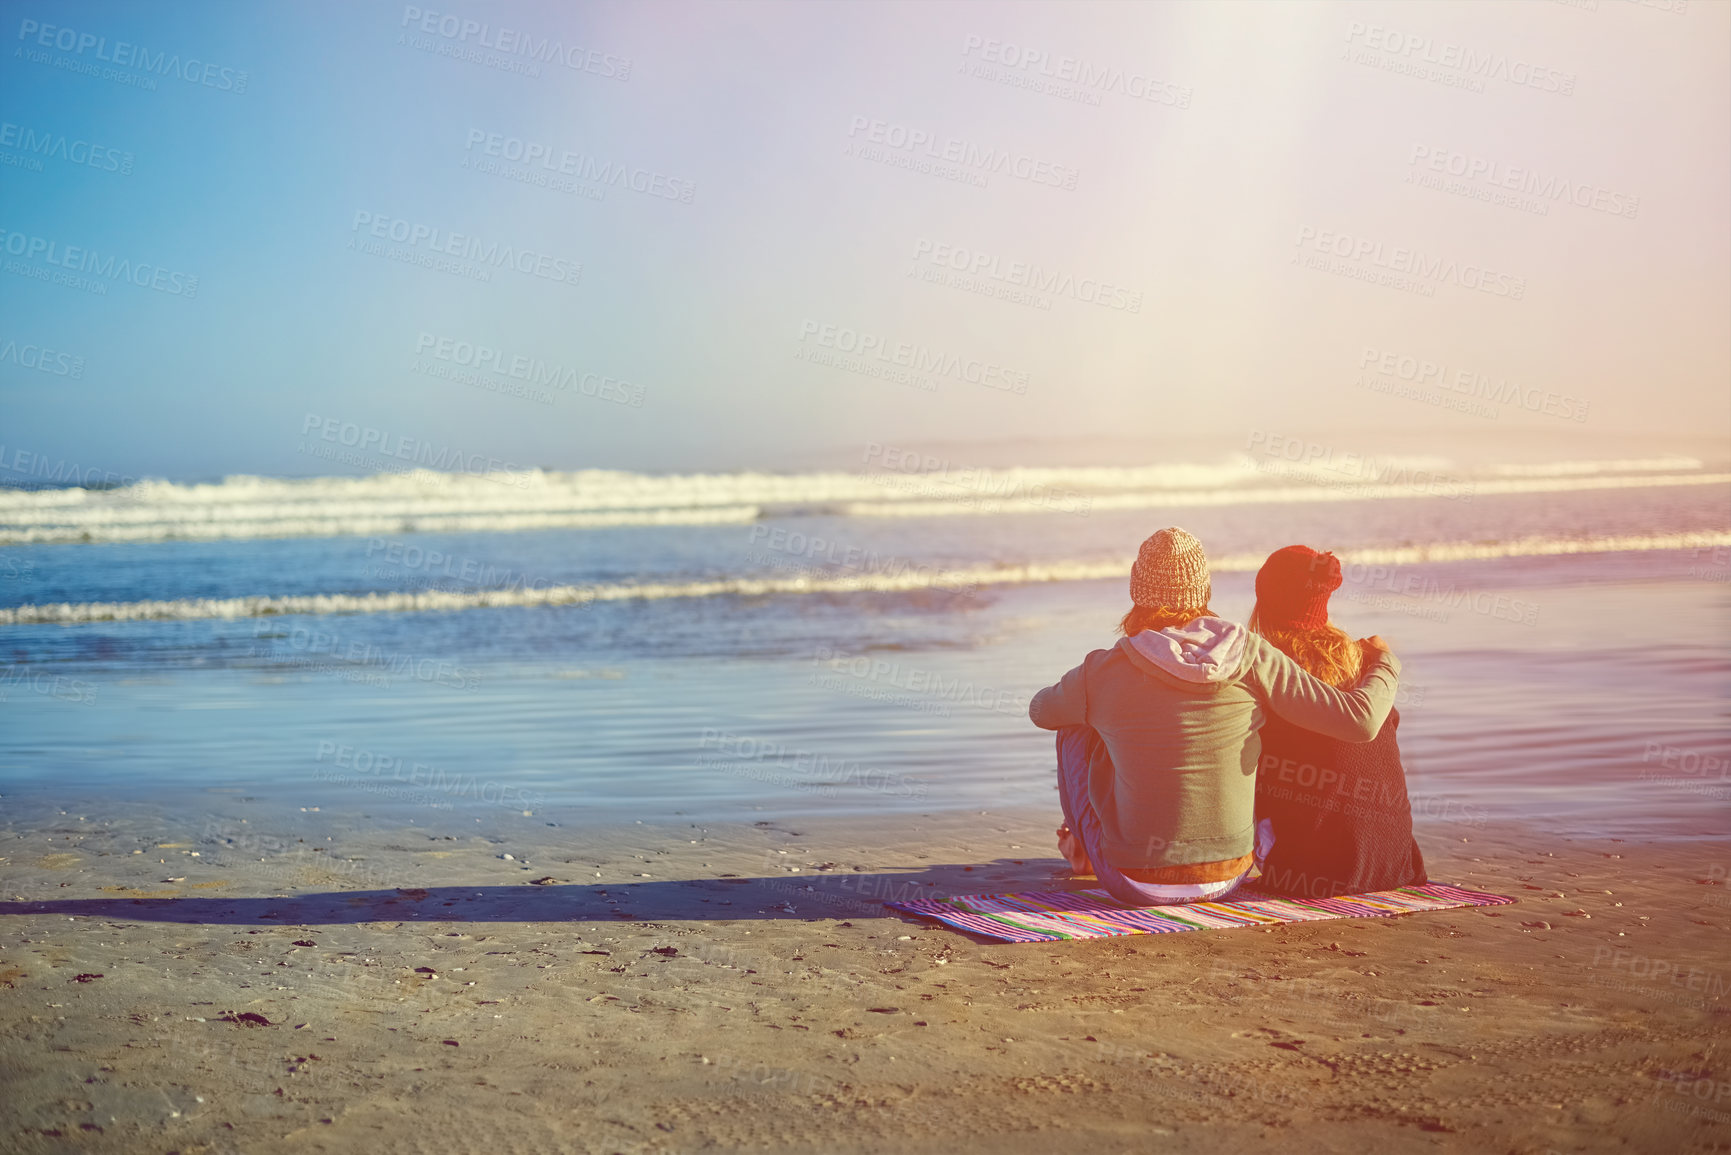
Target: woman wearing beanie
pixel 1341 819
pixel 1157 736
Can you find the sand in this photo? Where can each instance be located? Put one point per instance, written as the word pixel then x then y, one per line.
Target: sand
pixel 175 984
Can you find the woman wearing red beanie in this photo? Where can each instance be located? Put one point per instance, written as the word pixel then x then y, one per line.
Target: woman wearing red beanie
pixel 1341 818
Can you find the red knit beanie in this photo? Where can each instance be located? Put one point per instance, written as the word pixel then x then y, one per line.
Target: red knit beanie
pixel 1293 585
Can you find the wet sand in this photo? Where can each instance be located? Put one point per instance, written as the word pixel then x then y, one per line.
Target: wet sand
pixel 319 982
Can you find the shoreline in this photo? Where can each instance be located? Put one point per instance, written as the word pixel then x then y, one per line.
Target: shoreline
pixel 727 987
pixel 1439 816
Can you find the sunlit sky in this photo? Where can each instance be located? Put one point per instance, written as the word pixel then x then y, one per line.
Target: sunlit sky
pixel 1208 192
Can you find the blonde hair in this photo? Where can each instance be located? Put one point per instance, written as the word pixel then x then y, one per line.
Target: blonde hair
pixel 1327 652
pixel 1158 618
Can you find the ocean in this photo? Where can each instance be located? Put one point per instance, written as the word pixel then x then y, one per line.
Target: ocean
pixel 609 647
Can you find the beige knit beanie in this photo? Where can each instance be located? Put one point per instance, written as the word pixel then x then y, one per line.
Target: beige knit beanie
pixel 1171 571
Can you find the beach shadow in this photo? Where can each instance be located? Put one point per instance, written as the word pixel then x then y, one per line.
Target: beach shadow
pixel 807 896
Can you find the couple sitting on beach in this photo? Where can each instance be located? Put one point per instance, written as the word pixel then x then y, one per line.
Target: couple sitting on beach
pixel 1197 749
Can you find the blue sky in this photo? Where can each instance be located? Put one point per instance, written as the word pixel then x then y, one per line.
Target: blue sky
pixel 1241 175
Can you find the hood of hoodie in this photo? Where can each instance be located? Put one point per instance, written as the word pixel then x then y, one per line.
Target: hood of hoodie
pixel 1207 652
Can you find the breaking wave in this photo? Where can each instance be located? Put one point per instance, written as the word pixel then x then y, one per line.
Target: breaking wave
pixel 424 501
pixel 951 580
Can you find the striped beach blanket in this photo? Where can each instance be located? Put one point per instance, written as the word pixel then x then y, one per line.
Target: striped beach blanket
pixel 1052 915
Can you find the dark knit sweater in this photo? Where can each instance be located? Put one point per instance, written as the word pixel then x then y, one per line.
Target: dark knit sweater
pixel 1342 820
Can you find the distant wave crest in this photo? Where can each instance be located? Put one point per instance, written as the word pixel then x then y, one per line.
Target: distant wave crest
pixel 424 501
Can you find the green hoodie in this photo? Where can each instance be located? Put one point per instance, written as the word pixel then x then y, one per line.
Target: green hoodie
pixel 1178 710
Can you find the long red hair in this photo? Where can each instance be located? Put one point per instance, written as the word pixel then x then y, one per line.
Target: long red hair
pixel 1326 652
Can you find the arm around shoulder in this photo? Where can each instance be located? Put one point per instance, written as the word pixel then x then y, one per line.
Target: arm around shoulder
pixel 1354 715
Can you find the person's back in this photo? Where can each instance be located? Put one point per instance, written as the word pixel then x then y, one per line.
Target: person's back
pixel 1341 819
